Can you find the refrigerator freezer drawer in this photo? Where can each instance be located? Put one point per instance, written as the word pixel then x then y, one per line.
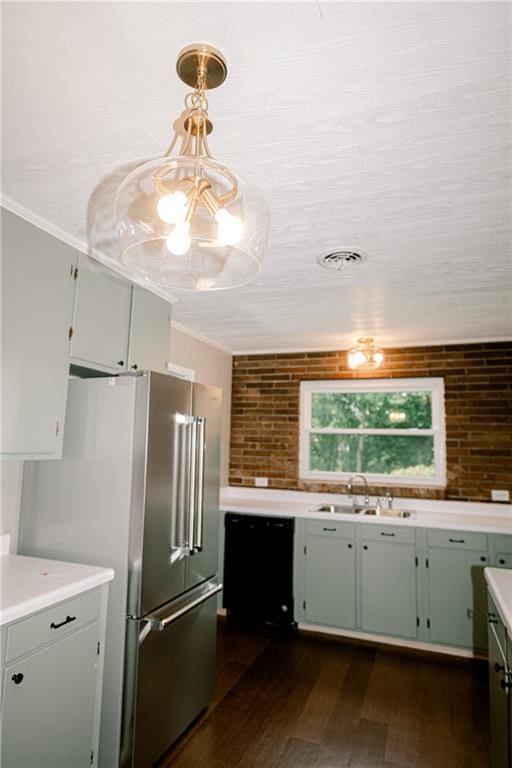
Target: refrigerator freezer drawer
pixel 175 676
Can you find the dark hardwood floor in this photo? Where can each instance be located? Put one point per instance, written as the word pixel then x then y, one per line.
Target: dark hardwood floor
pixel 295 700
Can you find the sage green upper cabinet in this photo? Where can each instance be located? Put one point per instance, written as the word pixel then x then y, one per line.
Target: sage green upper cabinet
pixel 37 305
pixel 330 574
pixel 456 588
pixel 149 331
pixel 101 317
pixel 388 581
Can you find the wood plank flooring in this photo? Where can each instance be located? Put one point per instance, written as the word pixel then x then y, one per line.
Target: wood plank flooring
pixel 295 700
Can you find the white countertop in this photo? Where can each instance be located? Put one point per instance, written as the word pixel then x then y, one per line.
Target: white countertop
pixel 29 584
pixel 500 585
pixel 464 516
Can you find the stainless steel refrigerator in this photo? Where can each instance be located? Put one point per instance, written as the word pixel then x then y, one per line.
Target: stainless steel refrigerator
pixel 137 489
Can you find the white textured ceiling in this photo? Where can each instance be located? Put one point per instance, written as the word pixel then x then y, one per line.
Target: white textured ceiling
pixel 379 126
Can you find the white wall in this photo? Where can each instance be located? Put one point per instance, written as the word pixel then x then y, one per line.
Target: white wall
pixel 10 496
pixel 212 364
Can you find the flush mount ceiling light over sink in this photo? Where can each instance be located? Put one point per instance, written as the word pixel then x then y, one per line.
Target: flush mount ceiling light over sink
pixel 187 221
pixel 365 355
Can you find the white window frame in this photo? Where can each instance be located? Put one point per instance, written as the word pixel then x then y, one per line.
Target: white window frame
pixel 433 385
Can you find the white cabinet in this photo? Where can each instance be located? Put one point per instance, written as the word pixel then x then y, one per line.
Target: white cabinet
pixel 101 317
pixel 51 685
pixel 149 332
pixel 37 304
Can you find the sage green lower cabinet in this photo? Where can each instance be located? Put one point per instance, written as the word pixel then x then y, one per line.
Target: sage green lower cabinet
pixel 456 588
pixel 51 696
pixel 49 715
pixel 330 574
pixel 392 580
pixel 388 582
pixel 149 331
pixel 500 680
pixel 502 551
pixel 37 307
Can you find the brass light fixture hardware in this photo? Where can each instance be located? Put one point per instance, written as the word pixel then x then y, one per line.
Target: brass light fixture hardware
pixel 187 221
pixel 365 355
pixel 201 66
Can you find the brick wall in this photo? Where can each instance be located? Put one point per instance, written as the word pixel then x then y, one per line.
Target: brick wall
pixel 478 391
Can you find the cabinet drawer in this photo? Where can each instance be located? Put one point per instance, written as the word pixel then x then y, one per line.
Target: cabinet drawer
pixel 459 539
pixel 53 623
pixel 503 543
pixel 331 528
pixel 393 533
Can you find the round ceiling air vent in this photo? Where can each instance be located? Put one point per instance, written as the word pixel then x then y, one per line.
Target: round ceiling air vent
pixel 337 260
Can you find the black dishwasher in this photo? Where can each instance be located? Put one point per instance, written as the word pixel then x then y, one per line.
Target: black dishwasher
pixel 258 568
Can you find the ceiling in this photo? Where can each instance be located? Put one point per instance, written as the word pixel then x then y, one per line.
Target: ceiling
pixel 374 126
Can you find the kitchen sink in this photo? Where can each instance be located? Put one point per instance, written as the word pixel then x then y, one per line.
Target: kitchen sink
pixel 343 509
pixel 338 509
pixel 387 512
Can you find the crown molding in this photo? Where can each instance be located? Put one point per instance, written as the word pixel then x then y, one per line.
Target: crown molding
pixel 46 226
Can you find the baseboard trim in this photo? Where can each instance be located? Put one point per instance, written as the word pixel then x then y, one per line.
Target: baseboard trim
pixel 416 645
pixel 398 642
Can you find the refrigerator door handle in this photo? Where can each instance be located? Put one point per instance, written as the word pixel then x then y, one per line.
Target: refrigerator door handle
pixel 191 483
pixel 158 624
pixel 180 528
pixel 200 425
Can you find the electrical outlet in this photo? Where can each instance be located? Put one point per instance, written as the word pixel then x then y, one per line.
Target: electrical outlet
pixel 500 496
pixel 261 482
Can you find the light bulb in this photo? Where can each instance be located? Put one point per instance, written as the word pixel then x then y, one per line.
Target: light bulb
pixel 378 358
pixel 172 208
pixel 178 242
pixel 231 228
pixel 356 358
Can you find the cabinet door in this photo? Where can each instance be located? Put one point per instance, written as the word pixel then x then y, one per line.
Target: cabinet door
pixel 149 331
pixel 48 705
pixel 101 318
pixel 388 588
pixel 503 560
pixel 456 595
pixel 498 704
pixel 503 549
pixel 330 581
pixel 37 302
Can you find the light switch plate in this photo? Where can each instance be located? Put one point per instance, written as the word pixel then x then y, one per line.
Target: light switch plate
pixel 500 496
pixel 261 482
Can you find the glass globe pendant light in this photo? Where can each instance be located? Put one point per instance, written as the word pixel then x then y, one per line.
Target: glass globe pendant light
pixel 188 221
pixel 365 355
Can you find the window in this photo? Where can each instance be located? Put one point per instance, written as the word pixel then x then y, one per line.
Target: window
pixel 390 430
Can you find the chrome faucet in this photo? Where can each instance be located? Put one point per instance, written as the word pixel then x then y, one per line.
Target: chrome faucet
pixel 349 487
